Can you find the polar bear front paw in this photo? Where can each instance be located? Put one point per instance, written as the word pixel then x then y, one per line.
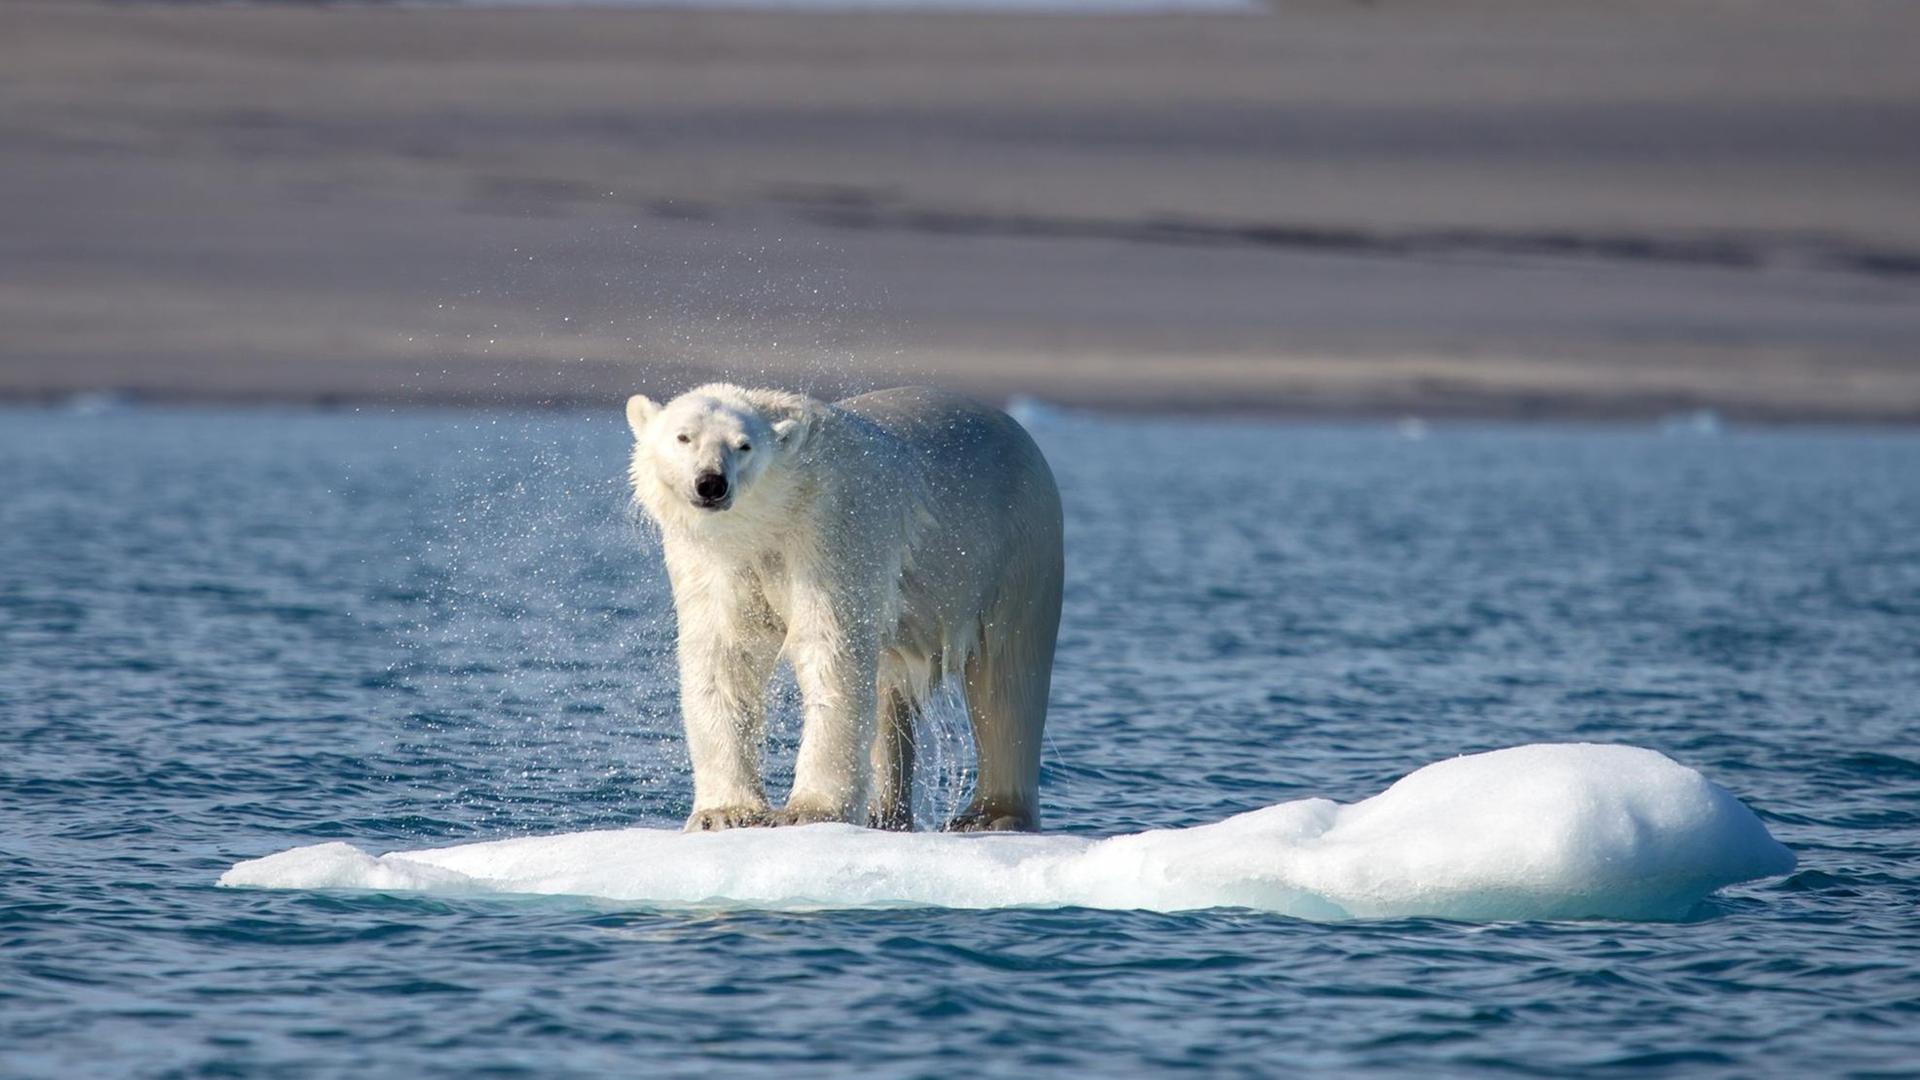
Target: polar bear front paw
pixel 716 818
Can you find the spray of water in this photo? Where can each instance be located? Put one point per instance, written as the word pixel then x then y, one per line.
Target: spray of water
pixel 542 660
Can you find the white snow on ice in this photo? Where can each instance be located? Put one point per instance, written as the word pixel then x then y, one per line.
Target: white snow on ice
pixel 1534 832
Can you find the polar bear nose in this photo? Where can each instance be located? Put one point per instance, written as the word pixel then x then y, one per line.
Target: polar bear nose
pixel 710 485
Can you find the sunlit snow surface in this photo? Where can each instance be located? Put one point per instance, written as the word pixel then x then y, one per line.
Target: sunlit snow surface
pixel 1534 832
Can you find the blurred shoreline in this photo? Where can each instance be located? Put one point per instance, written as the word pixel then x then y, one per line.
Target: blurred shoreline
pixel 1468 208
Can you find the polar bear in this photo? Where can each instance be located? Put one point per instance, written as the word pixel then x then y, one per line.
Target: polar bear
pixel 880 544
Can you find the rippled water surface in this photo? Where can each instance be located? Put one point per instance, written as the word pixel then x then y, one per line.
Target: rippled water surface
pixel 227 633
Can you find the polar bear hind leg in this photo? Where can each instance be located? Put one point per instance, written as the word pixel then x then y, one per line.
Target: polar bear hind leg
pixel 1006 681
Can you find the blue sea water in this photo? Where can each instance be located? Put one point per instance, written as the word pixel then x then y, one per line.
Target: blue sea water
pixel 227 633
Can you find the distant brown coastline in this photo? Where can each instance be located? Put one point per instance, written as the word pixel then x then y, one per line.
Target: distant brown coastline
pixel 1467 208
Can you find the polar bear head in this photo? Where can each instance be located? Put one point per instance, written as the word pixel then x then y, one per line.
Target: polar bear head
pixel 713 449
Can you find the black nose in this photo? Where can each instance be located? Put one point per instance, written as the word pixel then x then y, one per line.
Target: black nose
pixel 710 485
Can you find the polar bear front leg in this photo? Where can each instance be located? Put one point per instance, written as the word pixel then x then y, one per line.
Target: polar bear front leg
pixel 835 672
pixel 724 668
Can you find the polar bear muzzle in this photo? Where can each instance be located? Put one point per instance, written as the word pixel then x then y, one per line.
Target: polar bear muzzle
pixel 711 492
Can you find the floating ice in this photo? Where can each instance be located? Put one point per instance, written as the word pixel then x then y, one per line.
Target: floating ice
pixel 1533 832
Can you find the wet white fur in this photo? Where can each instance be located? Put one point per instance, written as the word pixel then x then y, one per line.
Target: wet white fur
pixel 880 544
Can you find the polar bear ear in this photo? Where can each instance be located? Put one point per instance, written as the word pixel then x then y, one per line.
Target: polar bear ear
pixel 791 432
pixel 640 409
pixel 791 416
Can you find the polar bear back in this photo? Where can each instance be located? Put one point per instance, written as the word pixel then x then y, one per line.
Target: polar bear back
pixel 989 529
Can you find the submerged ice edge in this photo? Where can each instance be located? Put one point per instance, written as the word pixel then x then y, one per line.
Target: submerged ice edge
pixel 1534 832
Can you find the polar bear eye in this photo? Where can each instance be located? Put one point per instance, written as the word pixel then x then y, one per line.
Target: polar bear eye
pixel 683 437
pixel 746 447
